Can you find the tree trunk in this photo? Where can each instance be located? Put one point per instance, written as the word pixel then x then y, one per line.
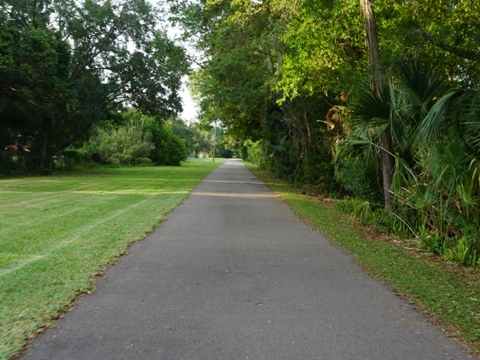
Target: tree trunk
pixel 378 85
pixel 43 157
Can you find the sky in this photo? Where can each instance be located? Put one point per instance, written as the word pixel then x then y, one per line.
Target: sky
pixel 190 109
pixel 189 113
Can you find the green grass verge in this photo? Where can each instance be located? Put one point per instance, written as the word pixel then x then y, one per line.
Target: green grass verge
pixel 58 232
pixel 448 294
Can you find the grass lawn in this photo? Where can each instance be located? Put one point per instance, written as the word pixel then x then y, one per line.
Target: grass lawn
pixel 447 293
pixel 58 232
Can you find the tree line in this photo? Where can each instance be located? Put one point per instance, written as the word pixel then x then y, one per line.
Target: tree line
pixel 375 101
pixel 67 67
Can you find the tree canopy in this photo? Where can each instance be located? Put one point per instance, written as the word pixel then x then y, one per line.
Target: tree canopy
pixel 292 83
pixel 374 99
pixel 66 65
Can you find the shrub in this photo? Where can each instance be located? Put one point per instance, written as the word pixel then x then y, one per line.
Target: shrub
pixel 70 157
pixel 119 145
pixel 253 152
pixel 358 178
pixel 168 149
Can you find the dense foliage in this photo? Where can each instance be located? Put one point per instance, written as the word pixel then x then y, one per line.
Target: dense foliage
pixel 68 65
pixel 375 100
pixel 292 83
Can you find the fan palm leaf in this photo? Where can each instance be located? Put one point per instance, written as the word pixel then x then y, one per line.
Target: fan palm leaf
pixel 430 125
pixel 471 119
pixel 422 86
pixel 382 114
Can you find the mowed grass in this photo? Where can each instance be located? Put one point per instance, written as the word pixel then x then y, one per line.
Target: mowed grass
pixel 58 232
pixel 449 294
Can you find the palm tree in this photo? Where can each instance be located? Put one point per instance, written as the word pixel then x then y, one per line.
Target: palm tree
pixel 452 126
pixel 378 85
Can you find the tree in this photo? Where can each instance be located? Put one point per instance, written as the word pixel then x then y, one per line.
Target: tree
pixel 35 93
pixel 169 148
pixel 274 72
pixel 237 84
pixel 122 144
pixel 272 69
pixel 107 54
pixel 200 142
pixel 444 35
pixel 378 86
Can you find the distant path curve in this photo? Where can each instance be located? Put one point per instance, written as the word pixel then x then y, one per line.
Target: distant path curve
pixel 232 274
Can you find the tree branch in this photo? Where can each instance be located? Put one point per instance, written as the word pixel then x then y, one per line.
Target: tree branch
pixel 464 54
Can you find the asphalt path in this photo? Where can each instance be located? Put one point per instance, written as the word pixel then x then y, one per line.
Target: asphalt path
pixel 233 274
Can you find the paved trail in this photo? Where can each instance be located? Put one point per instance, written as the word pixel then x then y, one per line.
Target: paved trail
pixel 232 274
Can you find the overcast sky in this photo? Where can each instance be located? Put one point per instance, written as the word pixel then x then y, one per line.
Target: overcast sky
pixel 189 108
pixel 189 113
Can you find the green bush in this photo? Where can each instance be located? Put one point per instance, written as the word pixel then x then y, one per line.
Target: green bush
pixel 69 158
pixel 253 152
pixel 358 178
pixel 463 251
pixel 168 149
pixel 14 164
pixel 119 145
pixel 347 205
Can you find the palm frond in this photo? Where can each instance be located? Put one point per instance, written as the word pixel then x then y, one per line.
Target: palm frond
pixel 371 110
pixel 449 167
pixel 382 114
pixel 424 197
pixel 422 86
pixel 398 120
pixel 430 126
pixel 402 174
pixel 364 145
pixel 471 119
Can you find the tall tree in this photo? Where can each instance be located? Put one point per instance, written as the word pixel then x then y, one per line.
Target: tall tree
pixel 378 87
pixel 271 68
pixel 92 58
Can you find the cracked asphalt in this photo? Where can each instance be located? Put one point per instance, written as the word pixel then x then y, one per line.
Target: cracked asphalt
pixel 233 274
